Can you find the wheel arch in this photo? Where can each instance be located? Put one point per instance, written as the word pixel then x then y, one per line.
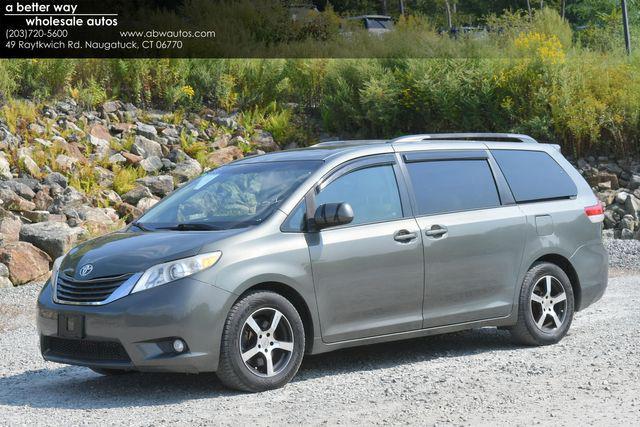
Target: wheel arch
pixel 569 270
pixel 294 297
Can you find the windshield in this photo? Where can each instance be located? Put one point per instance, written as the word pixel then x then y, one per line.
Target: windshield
pixel 372 23
pixel 232 196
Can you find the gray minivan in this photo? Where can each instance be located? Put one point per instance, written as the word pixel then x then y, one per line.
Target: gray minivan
pixel 252 265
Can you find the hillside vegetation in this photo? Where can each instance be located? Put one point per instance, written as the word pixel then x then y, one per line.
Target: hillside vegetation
pixel 538 80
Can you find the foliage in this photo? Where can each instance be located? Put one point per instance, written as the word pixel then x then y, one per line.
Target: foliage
pixel 125 178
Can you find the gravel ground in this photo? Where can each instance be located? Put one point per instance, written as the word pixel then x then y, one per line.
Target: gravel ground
pixel 467 378
pixel 623 254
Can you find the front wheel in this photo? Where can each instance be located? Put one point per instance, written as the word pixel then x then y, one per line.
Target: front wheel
pixel 546 306
pixel 262 344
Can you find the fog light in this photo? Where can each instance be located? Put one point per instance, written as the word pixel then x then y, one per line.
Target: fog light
pixel 178 346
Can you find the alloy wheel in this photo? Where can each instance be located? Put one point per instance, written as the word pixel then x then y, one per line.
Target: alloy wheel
pixel 548 304
pixel 266 342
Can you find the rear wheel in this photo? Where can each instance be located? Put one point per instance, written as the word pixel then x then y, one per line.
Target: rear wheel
pixel 263 343
pixel 546 306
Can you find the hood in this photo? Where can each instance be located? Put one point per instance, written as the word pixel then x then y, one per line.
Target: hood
pixel 131 252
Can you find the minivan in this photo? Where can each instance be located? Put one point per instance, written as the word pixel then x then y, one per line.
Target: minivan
pixel 250 266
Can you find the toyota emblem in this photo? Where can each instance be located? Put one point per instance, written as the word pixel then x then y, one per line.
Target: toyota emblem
pixel 86 269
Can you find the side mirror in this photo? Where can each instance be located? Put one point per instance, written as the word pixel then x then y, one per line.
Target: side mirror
pixel 332 214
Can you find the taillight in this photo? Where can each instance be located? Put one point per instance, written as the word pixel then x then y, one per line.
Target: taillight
pixel 595 212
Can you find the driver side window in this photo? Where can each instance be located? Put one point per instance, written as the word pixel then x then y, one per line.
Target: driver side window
pixel 372 193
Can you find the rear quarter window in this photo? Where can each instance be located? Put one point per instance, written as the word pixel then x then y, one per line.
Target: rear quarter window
pixel 534 175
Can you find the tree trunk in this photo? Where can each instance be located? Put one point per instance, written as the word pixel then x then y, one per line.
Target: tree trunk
pixel 384 7
pixel 402 7
pixel 448 6
pixel 529 8
pixel 564 4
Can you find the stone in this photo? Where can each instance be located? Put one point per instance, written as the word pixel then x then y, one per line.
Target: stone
pixel 13 202
pixel 626 234
pixel 146 130
pixel 221 141
pixel 43 201
pixel 5 282
pixel 56 178
pixel 45 143
pixel 604 186
pixel 151 164
pixel 632 206
pixel 65 162
pixel 26 263
pixel 598 177
pixel 111 196
pixel 101 146
pixel 133 196
pixel 120 128
pixel 19 188
pixel 111 106
pixel 117 158
pixel 30 165
pixel 628 222
pixel 263 140
pixel 69 199
pixel 146 202
pixel 159 185
pixel 55 238
pixel 145 147
pixel 104 176
pixel 621 197
pixel 128 212
pixel 10 226
pixel 171 133
pixel 37 216
pixel 187 170
pixel 224 155
pixel 132 158
pixel 5 167
pixel 4 270
pixel 95 220
pixel 634 182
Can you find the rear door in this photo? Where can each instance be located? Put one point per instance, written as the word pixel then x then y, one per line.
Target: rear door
pixel 368 275
pixel 473 235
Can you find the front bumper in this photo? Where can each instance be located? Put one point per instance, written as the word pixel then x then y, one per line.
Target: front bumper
pixel 141 324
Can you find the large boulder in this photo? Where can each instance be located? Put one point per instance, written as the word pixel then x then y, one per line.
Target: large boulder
pixel 225 155
pixel 55 238
pixel 10 226
pixel 146 130
pixel 160 185
pixel 145 147
pixel 13 202
pixel 151 164
pixel 263 140
pixel 187 170
pixel 56 178
pixel 146 203
pixel 69 199
pixel 25 262
pixel 134 196
pixel 5 167
pixel 20 188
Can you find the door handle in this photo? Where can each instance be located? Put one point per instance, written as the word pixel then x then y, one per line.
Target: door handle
pixel 404 236
pixel 436 231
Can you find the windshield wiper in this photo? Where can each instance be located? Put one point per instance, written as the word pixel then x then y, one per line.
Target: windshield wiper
pixel 190 226
pixel 140 226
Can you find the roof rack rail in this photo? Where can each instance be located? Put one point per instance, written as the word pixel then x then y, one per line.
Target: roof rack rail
pixel 497 137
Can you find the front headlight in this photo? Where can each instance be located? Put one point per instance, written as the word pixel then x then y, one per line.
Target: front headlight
pixel 168 272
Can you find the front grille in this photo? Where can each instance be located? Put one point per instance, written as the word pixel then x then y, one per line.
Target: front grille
pixel 94 351
pixel 87 291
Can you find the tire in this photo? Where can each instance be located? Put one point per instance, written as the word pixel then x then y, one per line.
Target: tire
pixel 544 317
pixel 249 332
pixel 110 372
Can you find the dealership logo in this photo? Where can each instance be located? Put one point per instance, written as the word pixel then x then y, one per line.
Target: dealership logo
pixel 86 269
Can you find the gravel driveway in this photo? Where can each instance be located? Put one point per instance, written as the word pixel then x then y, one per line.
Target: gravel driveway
pixel 474 377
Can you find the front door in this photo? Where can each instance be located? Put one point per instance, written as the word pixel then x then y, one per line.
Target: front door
pixel 368 275
pixel 473 241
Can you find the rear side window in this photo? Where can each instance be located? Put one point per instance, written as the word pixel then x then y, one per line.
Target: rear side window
pixel 534 175
pixel 453 185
